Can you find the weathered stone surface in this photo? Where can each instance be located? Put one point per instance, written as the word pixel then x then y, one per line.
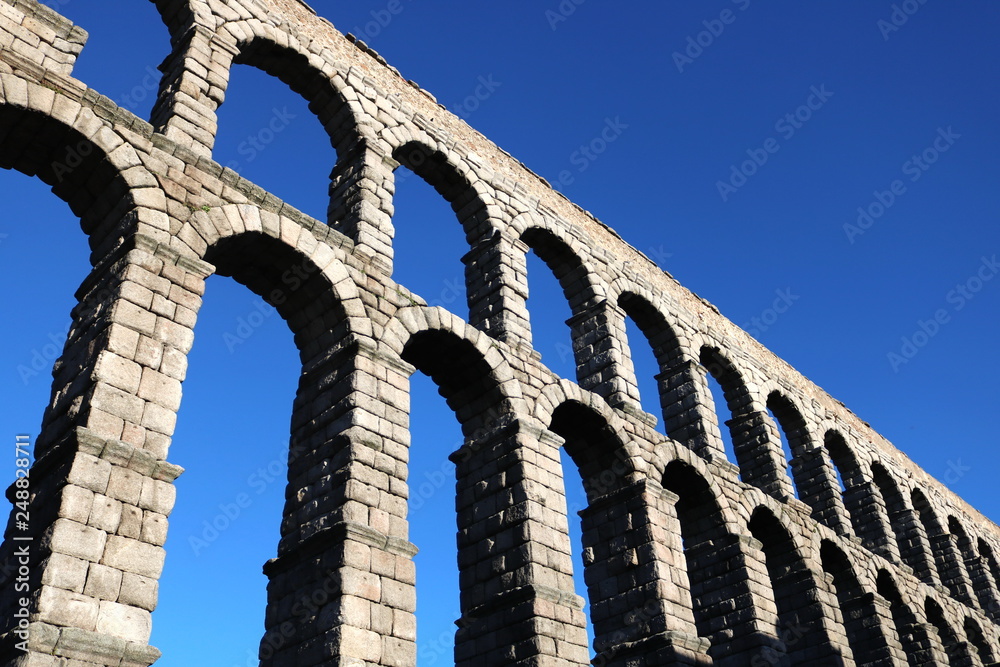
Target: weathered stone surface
pixel 63 608
pixel 66 572
pixel 103 582
pixel 124 621
pixel 74 539
pixel 134 556
pixel 138 591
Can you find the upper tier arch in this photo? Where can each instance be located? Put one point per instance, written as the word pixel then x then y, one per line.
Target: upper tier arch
pixel 65 144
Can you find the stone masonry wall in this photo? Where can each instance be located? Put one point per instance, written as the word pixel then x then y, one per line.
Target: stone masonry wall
pixel 691 559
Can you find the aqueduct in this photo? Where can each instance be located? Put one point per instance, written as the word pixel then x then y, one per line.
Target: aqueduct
pixel 846 554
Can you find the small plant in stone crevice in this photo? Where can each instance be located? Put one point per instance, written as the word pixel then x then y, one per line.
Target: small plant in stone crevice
pixel 400 293
pixel 194 209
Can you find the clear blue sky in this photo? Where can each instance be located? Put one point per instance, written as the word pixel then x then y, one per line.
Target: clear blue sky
pixel 880 96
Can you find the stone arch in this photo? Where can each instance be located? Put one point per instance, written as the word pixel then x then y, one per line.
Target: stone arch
pixel 670 352
pixel 606 470
pixel 912 634
pixel 317 82
pixel 865 636
pixel 930 522
pixel 792 424
pixel 977 573
pixel 560 390
pixel 462 373
pixel 956 649
pixel 504 495
pixel 721 592
pixel 595 349
pixel 455 182
pixel 473 206
pixel 947 560
pixel 988 553
pixel 308 286
pixel 809 466
pixel 66 145
pixel 752 499
pixel 363 170
pixel 197 76
pixel 319 248
pixel 912 526
pixel 856 491
pixel 801 620
pixel 993 571
pixel 563 392
pixel 761 463
pixel 497 382
pixel 306 74
pixel 889 513
pixel 977 639
pixel 567 261
pixel 713 362
pixel 305 288
pixel 595 447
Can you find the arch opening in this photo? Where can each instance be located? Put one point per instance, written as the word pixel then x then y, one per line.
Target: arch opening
pixel 594 447
pixel 428 249
pixel 900 519
pixel 463 377
pixel 73 165
pixel 233 439
pixel 946 635
pixel 911 633
pixel 434 435
pixel 711 556
pixel 717 395
pixel 290 283
pixel 654 365
pixel 243 489
pixel 437 170
pixel 573 279
pixel 548 313
pixel 260 141
pixel 592 453
pixel 798 625
pixel 759 465
pixel 795 443
pixel 993 572
pixel 945 561
pixel 547 334
pixel 298 73
pixel 851 481
pixel 974 569
pixel 867 645
pixel 419 237
pixel 499 501
pixel 478 410
pixel 978 641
